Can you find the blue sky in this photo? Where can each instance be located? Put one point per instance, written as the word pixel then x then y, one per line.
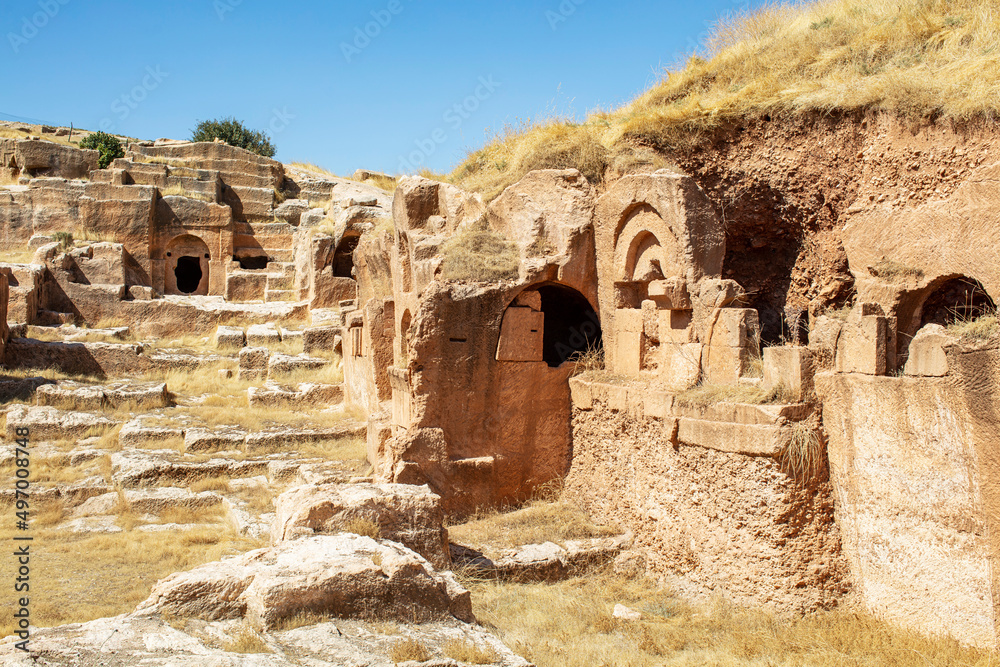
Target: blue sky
pixel 390 85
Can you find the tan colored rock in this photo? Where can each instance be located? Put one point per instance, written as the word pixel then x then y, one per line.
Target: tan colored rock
pixel 253 363
pixel 790 367
pixel 48 423
pixel 927 356
pixel 411 515
pixel 342 576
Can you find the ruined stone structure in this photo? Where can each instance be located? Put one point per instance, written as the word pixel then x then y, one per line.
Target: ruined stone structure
pixel 852 462
pixel 475 388
pixel 176 219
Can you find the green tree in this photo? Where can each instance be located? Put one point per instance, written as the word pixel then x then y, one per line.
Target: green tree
pixel 108 146
pixel 234 133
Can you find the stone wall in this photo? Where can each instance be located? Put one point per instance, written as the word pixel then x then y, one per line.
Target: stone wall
pixel 915 465
pixel 702 504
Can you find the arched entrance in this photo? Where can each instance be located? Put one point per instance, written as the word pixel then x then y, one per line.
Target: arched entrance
pixel 343 257
pixel 187 266
pixel 571 326
pixel 551 323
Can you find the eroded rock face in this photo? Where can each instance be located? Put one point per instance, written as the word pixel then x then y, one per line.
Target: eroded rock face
pixel 411 515
pixel 130 640
pixel 341 576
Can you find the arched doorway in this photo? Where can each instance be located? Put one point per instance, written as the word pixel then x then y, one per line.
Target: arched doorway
pixel 187 266
pixel 343 257
pixel 960 299
pixel 571 326
pixel 551 323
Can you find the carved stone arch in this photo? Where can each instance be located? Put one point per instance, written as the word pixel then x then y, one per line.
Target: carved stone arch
pixel 187 265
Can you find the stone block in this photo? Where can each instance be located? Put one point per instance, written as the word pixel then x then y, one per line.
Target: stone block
pixel 259 335
pixel 724 365
pixel 242 287
pixel 927 356
pixel 628 352
pixel 521 335
pixel 320 339
pixel 629 319
pixel 230 337
pixel 580 394
pixel 253 363
pixel 675 326
pixel 681 365
pixel 736 327
pixel 670 294
pixel 791 367
pixel 863 346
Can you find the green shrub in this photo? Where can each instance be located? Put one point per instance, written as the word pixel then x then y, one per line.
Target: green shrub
pixel 108 146
pixel 234 133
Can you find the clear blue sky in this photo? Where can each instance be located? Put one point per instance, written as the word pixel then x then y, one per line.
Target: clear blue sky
pixel 300 71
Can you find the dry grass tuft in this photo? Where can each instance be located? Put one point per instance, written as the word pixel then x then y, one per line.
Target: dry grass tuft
pixel 244 639
pixel 480 255
pixel 894 272
pixel 409 649
pixel 363 527
pixel 803 456
pixel 97 576
pixel 468 652
pixel 913 58
pixel 301 620
pixel 710 394
pixel 541 521
pixel 978 329
pixel 570 623
pixel 591 361
pixel 180 191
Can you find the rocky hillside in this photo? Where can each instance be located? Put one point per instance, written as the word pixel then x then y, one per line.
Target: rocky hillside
pixel 795 115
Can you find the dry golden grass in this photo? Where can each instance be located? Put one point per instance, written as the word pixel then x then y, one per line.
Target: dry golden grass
pixel 329 374
pixel 220 484
pixel 709 394
pixel 180 191
pixel 803 456
pixel 244 639
pixel 17 256
pixel 84 577
pixel 477 254
pixel 894 271
pixel 978 329
pixel 363 527
pixel 386 183
pixel 300 620
pixel 541 521
pixel 570 624
pixel 468 652
pixel 45 471
pixel 913 58
pixel 309 166
pixel 409 649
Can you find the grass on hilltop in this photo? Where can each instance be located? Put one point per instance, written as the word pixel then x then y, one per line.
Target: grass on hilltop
pixel 913 58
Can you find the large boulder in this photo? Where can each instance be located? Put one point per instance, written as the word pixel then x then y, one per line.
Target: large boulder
pixel 411 515
pixel 338 576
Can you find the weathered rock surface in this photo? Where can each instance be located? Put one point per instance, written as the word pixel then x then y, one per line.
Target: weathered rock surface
pixel 341 576
pixel 411 515
pixel 129 640
pixel 48 423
